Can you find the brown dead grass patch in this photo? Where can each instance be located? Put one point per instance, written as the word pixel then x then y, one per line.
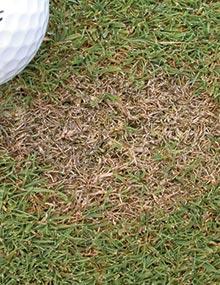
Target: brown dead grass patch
pixel 124 148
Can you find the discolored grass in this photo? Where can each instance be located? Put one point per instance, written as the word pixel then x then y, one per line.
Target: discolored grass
pixel 125 148
pixel 109 148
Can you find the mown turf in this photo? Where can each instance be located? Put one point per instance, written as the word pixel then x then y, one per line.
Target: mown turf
pixel 43 248
pixel 128 149
pixel 90 221
pixel 139 38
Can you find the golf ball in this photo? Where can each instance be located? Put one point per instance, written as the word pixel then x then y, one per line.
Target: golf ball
pixel 23 24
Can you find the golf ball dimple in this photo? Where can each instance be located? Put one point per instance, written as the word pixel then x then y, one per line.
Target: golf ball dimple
pixel 23 24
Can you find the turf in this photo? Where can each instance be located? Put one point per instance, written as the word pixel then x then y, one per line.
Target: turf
pixel 139 38
pixel 109 148
pixel 40 247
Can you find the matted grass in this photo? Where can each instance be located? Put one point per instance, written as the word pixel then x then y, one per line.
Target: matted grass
pixel 128 149
pixel 109 148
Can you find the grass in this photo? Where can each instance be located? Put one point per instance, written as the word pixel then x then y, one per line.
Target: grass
pixel 109 148
pixel 40 247
pixel 139 38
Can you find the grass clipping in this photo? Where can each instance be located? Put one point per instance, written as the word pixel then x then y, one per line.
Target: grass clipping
pixel 120 146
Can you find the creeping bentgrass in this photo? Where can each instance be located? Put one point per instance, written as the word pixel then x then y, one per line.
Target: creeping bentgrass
pixel 109 148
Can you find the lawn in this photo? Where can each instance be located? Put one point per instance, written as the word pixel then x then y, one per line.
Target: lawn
pixel 110 148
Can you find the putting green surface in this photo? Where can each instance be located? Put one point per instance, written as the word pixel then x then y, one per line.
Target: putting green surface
pixel 109 148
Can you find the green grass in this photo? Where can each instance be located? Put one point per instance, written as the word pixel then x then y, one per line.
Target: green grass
pixel 140 39
pixel 40 247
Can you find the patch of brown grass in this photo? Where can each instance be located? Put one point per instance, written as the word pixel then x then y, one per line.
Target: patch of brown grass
pixel 124 148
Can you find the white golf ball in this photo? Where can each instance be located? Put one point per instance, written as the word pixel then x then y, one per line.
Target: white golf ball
pixel 23 24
